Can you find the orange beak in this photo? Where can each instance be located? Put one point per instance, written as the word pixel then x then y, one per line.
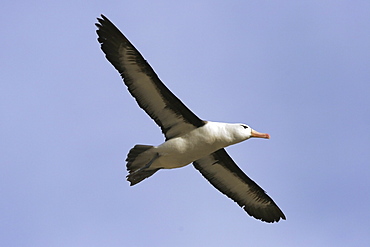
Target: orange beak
pixel 260 135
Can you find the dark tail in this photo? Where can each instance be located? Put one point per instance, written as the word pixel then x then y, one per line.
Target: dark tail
pixel 136 159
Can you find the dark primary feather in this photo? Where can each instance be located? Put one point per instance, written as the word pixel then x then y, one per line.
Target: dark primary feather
pixel 143 83
pixel 222 172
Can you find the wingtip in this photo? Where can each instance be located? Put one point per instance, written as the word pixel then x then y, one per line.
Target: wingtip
pixel 272 216
pixel 102 17
pixel 269 213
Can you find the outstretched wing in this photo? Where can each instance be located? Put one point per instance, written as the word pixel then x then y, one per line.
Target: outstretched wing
pixel 151 94
pixel 222 172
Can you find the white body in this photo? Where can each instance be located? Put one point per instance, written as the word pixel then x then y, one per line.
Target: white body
pixel 198 143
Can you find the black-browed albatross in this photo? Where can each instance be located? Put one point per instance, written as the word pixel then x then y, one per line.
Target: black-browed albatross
pixel 188 138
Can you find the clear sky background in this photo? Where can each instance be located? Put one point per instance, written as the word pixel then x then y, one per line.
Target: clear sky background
pixel 298 70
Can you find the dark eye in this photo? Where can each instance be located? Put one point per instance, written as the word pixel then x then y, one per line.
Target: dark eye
pixel 244 126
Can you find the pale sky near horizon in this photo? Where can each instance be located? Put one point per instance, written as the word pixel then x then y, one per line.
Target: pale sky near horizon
pixel 298 70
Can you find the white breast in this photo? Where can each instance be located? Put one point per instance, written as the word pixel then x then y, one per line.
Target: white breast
pixel 180 151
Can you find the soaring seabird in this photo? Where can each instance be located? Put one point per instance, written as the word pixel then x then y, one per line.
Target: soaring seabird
pixel 189 139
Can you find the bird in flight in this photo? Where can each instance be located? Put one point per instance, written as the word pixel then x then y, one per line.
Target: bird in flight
pixel 188 139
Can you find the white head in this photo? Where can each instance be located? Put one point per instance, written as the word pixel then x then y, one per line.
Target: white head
pixel 242 132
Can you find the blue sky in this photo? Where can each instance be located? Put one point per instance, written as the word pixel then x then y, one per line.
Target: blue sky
pixel 298 70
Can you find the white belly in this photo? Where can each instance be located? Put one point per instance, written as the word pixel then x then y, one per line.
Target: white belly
pixel 181 151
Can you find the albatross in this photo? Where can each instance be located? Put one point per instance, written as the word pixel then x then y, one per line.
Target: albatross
pixel 188 139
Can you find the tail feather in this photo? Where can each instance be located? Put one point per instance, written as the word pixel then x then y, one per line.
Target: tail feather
pixel 136 160
pixel 139 176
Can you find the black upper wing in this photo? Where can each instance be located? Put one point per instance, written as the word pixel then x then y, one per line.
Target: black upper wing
pixel 222 172
pixel 151 94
